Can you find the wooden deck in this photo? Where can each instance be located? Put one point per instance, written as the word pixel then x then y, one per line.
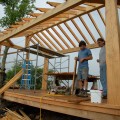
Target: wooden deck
pixel 70 105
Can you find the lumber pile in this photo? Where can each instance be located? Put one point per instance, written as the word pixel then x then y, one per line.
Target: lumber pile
pixel 13 115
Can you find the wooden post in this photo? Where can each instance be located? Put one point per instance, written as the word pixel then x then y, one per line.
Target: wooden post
pixel 113 52
pixel 27 44
pixel 74 77
pixel 45 77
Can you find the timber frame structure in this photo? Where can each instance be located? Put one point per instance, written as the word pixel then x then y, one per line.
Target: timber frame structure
pixel 37 29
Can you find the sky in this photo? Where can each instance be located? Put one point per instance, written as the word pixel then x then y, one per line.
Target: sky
pixel 93 65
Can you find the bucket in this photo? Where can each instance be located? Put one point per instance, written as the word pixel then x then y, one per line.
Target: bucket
pixel 96 96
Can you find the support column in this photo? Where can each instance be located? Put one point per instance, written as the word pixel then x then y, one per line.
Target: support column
pixel 113 52
pixel 27 44
pixel 45 77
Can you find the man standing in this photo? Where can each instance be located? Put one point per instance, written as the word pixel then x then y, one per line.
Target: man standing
pixel 102 62
pixel 83 69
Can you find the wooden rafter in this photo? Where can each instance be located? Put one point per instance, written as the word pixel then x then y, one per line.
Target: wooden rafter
pixel 95 25
pixel 66 35
pixel 87 28
pixel 38 41
pixel 70 17
pixel 50 14
pixel 15 26
pixel 43 9
pixel 20 23
pixel 99 1
pixel 35 14
pixel 27 19
pixel 57 41
pixel 40 37
pixel 76 49
pixel 92 4
pixel 11 43
pixel 8 44
pixel 4 32
pixel 57 33
pixel 81 8
pixel 69 28
pixel 33 41
pixel 80 31
pixel 49 40
pixel 55 4
pixel 101 16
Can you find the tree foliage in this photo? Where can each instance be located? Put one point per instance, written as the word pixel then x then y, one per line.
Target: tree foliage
pixel 15 10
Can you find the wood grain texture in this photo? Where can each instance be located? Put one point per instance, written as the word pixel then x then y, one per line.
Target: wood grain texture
pixel 113 52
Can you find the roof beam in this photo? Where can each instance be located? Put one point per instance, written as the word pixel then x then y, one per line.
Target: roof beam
pixel 99 1
pixel 27 19
pixel 71 31
pixel 101 16
pixel 32 41
pixel 49 40
pixel 12 46
pixel 53 4
pixel 38 41
pixel 87 28
pixel 69 17
pixel 20 23
pixel 80 31
pixel 57 41
pixel 76 49
pixel 35 14
pixel 66 35
pixel 95 25
pixel 40 37
pixel 43 9
pixel 58 34
pixel 50 14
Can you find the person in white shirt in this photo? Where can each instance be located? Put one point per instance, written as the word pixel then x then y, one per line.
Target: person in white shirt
pixel 102 62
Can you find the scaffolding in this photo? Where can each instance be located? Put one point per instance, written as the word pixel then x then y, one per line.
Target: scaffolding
pixel 60 65
pixel 26 81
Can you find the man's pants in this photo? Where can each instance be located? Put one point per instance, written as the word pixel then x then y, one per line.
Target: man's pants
pixel 103 78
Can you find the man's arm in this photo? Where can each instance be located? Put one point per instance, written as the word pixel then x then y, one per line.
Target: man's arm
pixel 76 58
pixel 89 57
pixel 86 59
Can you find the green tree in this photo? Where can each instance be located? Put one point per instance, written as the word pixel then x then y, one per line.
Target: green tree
pixel 14 10
pixel 14 69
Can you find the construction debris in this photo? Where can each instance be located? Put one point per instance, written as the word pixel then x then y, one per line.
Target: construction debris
pixel 13 115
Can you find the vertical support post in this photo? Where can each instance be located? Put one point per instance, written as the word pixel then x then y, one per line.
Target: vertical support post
pixel 36 67
pixel 45 77
pixel 112 52
pixel 27 44
pixel 74 77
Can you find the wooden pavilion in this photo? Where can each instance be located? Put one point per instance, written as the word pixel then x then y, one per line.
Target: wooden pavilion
pixel 36 29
